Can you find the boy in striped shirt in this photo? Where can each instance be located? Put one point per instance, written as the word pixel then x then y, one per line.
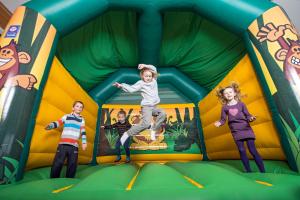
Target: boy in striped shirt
pixel 74 128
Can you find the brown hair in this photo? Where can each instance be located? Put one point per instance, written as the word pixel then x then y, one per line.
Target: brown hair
pixel 121 112
pixel 236 89
pixel 75 102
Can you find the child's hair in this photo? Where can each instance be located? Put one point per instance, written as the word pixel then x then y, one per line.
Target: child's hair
pixel 121 112
pixel 154 75
pixel 236 89
pixel 76 102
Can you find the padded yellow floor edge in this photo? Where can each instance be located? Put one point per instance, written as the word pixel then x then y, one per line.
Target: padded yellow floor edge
pixel 153 157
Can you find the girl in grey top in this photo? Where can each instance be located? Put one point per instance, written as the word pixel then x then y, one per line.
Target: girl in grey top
pixel 149 91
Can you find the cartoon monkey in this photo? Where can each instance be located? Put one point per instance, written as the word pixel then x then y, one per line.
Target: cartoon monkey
pixel 10 60
pixel 289 52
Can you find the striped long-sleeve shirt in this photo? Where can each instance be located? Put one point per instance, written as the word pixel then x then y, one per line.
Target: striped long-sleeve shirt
pixel 74 128
pixel 121 127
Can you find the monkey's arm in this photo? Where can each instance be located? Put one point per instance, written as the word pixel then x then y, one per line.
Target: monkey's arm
pixel 283 43
pixel 25 81
pixel 271 33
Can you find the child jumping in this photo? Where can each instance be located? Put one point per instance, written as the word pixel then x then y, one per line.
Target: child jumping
pixel 238 121
pixel 149 92
pixel 74 128
pixel 122 126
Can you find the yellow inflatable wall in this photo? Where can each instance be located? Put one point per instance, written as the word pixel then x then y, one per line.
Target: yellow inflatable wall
pixel 219 141
pixel 60 92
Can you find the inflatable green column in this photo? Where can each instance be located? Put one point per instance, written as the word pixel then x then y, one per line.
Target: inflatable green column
pixel 274 43
pixel 26 54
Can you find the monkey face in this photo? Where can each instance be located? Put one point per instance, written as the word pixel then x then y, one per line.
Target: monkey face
pixel 7 58
pixel 294 56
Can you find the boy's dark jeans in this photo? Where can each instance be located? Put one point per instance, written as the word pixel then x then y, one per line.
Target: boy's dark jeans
pixel 126 147
pixel 65 151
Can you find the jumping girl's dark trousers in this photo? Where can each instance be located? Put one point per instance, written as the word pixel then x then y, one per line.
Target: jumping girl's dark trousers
pixel 65 151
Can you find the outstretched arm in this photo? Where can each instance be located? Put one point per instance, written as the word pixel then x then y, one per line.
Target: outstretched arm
pixel 109 126
pixel 56 124
pixel 132 88
pixel 249 117
pixel 151 67
pixel 223 118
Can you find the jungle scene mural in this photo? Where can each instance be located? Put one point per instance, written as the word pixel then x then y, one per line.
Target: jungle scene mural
pixel 179 133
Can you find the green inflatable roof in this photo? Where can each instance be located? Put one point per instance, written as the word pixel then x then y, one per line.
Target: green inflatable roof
pixel 198 37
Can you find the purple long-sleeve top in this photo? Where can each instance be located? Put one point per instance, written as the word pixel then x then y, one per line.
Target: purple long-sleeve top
pixel 238 120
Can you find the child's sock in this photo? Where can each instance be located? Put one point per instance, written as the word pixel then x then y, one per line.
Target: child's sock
pixel 124 137
pixel 152 135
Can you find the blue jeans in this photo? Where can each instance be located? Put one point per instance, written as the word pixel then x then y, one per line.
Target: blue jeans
pixel 126 147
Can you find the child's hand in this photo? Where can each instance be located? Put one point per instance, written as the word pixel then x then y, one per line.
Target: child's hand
pixel 49 127
pixel 102 126
pixel 141 66
pixel 84 146
pixel 118 85
pixel 217 124
pixel 252 118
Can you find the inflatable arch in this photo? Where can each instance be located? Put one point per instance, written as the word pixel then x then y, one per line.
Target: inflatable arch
pixel 58 58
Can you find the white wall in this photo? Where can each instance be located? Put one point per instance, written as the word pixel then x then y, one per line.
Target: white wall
pixel 13 4
pixel 292 8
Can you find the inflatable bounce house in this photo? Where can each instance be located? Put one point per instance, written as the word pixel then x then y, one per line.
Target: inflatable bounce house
pixel 56 52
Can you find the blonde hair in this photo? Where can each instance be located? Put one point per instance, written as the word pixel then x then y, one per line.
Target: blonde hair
pixel 154 75
pixel 236 88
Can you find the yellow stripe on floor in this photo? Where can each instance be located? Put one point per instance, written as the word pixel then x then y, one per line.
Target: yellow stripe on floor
pixel 133 180
pixel 62 189
pixel 264 183
pixel 194 182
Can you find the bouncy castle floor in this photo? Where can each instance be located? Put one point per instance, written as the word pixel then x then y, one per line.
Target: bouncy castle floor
pixel 171 180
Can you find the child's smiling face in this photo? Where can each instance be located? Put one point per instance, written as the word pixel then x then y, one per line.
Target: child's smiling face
pixel 229 93
pixel 77 108
pixel 121 118
pixel 147 76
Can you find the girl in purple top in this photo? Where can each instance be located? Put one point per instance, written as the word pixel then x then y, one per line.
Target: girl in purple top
pixel 238 121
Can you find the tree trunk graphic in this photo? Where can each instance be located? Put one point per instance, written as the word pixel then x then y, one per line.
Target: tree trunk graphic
pixel 178 117
pixel 129 114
